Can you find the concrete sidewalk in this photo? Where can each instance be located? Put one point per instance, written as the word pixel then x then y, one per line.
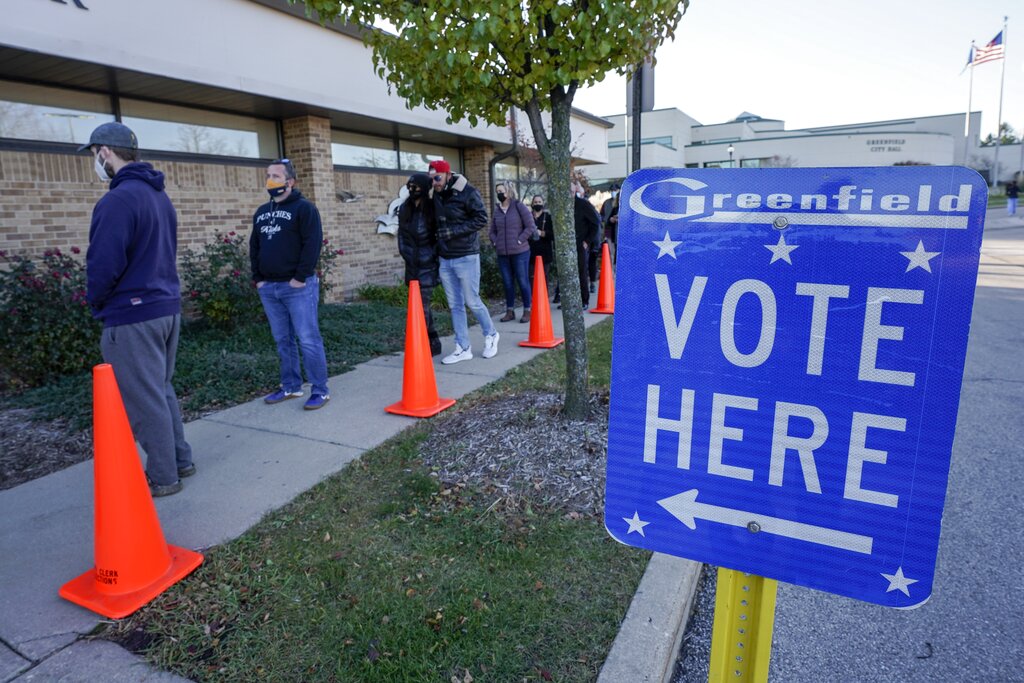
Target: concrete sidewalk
pixel 251 460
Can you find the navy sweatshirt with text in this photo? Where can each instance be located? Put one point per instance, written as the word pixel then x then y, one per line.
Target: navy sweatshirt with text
pixel 131 264
pixel 286 240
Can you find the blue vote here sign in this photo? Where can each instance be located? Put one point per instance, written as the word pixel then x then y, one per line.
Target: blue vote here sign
pixel 787 358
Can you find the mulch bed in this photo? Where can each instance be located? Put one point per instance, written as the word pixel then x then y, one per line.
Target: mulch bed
pixel 31 449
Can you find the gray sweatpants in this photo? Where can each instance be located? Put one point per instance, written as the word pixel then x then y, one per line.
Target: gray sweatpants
pixel 143 356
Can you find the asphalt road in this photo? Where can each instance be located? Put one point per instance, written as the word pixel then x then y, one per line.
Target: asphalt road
pixel 970 629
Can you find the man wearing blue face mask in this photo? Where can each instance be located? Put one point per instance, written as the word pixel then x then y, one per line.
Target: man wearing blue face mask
pixel 133 287
pixel 284 249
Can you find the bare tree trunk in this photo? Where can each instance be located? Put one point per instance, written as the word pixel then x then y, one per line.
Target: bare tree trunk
pixel 555 151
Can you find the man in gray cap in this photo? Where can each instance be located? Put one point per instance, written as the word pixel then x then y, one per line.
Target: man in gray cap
pixel 133 288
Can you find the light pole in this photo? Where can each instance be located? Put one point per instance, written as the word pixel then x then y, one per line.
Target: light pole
pixel 730 150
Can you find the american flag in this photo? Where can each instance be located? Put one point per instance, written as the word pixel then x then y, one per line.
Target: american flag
pixel 990 52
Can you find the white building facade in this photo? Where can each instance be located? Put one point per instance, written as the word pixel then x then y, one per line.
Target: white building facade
pixel 671 139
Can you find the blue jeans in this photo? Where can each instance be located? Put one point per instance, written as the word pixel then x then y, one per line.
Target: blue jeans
pixel 461 280
pixel 1011 205
pixel 292 312
pixel 519 265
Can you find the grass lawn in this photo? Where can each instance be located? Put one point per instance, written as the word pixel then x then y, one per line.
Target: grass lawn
pixel 382 574
pixel 221 368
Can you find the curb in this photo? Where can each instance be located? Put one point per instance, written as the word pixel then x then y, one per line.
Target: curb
pixel 646 649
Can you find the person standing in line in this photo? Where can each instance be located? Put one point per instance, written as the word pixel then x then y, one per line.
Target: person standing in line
pixel 461 216
pixel 543 245
pixel 594 250
pixel 588 226
pixel 512 227
pixel 133 288
pixel 1012 191
pixel 417 243
pixel 284 249
pixel 610 220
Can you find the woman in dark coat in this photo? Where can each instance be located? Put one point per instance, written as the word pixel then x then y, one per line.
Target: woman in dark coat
pixel 417 243
pixel 543 246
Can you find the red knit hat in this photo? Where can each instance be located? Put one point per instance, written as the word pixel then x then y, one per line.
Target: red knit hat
pixel 440 166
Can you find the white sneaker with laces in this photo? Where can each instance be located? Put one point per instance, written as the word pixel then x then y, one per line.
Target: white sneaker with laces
pixel 459 354
pixel 491 345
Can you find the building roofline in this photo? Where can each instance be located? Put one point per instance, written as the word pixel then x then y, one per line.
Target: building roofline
pixel 748 141
pixel 906 119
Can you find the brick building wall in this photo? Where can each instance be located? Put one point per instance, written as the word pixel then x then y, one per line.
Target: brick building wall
pixel 46 202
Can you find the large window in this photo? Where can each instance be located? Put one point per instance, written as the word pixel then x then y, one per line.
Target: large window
pixel 353 149
pixel 32 112
pixel 371 151
pixel 416 156
pixel 195 131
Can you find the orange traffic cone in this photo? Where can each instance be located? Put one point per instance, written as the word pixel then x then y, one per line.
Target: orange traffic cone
pixel 605 286
pixel 419 388
pixel 134 563
pixel 541 334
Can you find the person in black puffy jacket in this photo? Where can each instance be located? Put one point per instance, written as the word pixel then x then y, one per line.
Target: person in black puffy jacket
pixel 460 217
pixel 417 243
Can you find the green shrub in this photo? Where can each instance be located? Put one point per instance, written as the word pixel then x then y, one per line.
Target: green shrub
pixel 490 276
pixel 398 295
pixel 217 282
pixel 46 328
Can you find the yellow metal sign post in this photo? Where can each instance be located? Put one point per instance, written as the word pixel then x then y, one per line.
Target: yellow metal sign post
pixel 741 641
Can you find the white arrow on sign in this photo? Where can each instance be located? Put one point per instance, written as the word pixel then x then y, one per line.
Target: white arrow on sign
pixel 686 509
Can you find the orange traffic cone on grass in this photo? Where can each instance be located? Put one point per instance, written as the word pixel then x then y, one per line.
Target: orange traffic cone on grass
pixel 134 563
pixel 419 387
pixel 605 286
pixel 541 334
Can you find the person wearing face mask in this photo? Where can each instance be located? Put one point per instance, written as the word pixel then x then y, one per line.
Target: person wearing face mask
pixel 417 243
pixel 610 220
pixel 588 227
pixel 284 249
pixel 460 216
pixel 543 245
pixel 133 288
pixel 512 227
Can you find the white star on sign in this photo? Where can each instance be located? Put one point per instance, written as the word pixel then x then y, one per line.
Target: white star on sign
pixel 780 250
pixel 898 582
pixel 635 524
pixel 666 247
pixel 919 258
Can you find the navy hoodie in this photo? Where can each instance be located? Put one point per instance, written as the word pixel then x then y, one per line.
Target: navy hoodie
pixel 131 264
pixel 286 240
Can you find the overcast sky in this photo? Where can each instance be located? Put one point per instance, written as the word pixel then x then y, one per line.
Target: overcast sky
pixel 824 63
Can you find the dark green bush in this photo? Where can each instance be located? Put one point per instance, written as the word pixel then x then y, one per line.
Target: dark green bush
pixel 217 281
pixel 398 295
pixel 490 276
pixel 217 284
pixel 46 328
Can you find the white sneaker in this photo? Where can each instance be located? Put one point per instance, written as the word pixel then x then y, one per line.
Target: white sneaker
pixel 491 345
pixel 459 354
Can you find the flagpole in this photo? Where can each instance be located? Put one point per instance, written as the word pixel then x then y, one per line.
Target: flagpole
pixel 999 120
pixel 967 116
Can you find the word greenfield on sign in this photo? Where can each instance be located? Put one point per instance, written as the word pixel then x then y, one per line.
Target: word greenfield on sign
pixel 786 366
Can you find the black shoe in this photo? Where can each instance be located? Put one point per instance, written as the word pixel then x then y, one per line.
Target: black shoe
pixel 186 471
pixel 435 347
pixel 156 490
